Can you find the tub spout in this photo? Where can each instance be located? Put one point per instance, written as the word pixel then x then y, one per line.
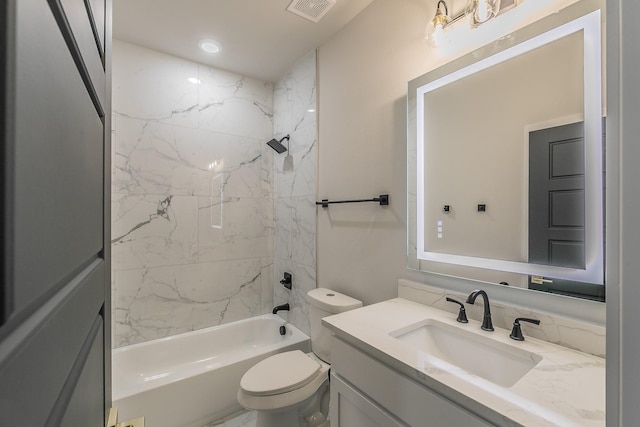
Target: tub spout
pixel 277 308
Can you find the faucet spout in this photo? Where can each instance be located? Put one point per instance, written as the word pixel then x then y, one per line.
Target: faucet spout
pixel 487 324
pixel 277 308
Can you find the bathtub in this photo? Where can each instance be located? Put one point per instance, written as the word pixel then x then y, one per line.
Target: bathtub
pixel 191 379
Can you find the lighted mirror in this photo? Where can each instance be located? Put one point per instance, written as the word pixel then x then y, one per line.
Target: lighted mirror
pixel 505 161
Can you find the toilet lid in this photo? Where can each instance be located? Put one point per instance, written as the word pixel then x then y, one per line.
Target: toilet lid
pixel 280 373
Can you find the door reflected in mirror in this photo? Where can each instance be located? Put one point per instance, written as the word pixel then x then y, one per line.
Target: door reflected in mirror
pixel 509 164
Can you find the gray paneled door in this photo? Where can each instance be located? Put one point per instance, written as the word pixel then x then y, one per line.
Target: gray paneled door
pixel 55 194
pixel 556 196
pixel 557 206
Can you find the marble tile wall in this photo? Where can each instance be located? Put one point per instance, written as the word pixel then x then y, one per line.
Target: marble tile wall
pixel 192 226
pixel 294 176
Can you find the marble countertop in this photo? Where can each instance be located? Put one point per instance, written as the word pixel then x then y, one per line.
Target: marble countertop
pixel 566 388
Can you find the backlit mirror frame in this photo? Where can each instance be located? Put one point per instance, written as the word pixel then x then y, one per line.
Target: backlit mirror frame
pixel 518 43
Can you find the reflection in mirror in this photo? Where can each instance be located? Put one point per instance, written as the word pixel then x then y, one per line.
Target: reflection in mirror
pixel 509 164
pixel 489 146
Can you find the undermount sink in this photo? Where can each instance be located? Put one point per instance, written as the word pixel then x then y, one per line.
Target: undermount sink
pixel 495 361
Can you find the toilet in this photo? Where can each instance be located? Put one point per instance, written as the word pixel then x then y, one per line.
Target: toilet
pixel 291 389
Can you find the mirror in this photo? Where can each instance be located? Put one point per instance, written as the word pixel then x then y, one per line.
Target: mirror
pixel 505 161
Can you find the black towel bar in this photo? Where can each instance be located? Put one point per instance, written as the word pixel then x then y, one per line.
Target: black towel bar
pixel 383 200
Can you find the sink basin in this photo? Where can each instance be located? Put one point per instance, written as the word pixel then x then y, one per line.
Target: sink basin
pixel 495 361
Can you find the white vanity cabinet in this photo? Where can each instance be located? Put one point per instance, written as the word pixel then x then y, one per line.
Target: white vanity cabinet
pixel 366 392
pixel 352 408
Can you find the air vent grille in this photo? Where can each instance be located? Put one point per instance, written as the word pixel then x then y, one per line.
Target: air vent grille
pixel 313 10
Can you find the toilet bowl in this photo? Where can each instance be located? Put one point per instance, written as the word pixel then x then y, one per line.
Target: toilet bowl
pixel 291 389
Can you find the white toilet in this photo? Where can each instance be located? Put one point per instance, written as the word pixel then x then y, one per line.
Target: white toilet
pixel 291 389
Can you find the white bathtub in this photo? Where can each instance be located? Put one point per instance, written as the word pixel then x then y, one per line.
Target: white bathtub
pixel 191 379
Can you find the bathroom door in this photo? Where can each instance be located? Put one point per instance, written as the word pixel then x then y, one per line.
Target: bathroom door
pixel 556 206
pixel 54 213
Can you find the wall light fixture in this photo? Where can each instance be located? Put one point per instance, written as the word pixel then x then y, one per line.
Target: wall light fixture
pixel 477 12
pixel 480 11
pixel 434 33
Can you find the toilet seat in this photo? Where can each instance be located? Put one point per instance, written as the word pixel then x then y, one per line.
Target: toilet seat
pixel 282 380
pixel 279 374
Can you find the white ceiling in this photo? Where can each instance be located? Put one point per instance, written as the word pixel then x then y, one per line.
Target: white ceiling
pixel 259 38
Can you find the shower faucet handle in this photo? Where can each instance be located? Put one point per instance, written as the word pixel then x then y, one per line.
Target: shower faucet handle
pixel 286 280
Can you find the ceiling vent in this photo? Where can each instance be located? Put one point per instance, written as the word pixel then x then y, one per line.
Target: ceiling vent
pixel 313 10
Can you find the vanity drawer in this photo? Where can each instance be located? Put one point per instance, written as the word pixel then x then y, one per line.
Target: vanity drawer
pixel 407 400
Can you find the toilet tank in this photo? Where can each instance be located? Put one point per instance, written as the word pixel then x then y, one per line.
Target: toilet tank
pixel 325 302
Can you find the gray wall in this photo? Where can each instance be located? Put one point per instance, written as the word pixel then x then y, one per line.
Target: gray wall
pixel 363 73
pixel 623 292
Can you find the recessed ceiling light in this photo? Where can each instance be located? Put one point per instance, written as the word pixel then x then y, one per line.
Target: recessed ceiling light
pixel 194 80
pixel 209 46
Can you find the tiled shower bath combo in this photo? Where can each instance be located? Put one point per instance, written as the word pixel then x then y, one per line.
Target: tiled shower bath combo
pixel 205 217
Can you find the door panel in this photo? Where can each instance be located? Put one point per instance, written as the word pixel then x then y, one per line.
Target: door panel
pixel 96 10
pixel 79 21
pixel 566 209
pixel 86 400
pixel 39 355
pixel 55 294
pixel 556 195
pixel 565 252
pixel 566 156
pixel 58 204
pixel 557 206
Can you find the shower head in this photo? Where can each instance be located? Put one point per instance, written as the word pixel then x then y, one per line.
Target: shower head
pixel 277 145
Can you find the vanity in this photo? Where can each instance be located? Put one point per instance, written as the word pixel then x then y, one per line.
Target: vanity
pixel 404 363
pixel 505 193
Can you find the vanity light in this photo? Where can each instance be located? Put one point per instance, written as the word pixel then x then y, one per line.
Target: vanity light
pixel 434 33
pixel 480 11
pixel 477 12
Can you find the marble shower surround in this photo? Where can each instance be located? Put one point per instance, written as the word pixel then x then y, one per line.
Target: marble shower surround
pixel 192 227
pixel 295 189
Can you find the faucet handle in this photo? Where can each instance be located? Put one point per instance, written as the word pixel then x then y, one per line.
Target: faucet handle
pixel 286 280
pixel 516 332
pixel 462 314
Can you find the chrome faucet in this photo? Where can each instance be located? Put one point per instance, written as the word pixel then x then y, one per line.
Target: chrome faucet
pixel 487 324
pixel 277 308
